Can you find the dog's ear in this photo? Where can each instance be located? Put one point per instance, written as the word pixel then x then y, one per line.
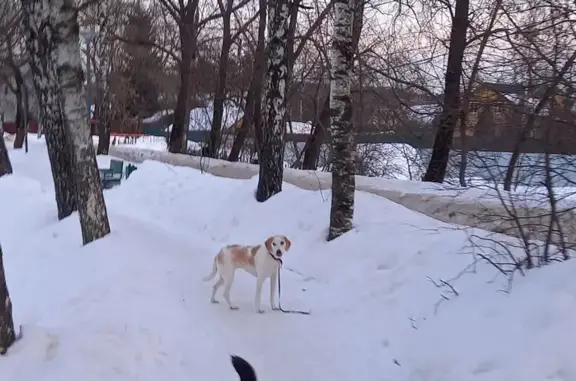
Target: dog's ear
pixel 288 243
pixel 268 243
pixel 244 369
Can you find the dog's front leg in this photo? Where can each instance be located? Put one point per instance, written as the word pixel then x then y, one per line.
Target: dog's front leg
pixel 259 282
pixel 273 280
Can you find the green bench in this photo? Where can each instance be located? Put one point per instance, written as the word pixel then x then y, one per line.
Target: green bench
pixel 110 177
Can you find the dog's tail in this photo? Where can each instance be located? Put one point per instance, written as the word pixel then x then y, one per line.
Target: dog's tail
pixel 243 368
pixel 214 271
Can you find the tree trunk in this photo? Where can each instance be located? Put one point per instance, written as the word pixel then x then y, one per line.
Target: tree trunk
pixel 179 133
pixel 19 139
pixel 91 206
pixel 247 121
pixel 251 118
pixel 103 115
pixel 271 157
pixel 36 15
pixel 5 165
pixel 7 334
pixel 258 114
pixel 343 150
pixel 438 164
pixel 314 142
pixel 292 23
pixel 103 132
pixel 220 93
pixel 26 109
pixel 18 92
pixel 463 162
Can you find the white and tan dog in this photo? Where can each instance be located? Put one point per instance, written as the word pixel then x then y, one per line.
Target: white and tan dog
pixel 262 261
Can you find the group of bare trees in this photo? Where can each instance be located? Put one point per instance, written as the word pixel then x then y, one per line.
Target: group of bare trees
pixel 531 48
pixel 273 66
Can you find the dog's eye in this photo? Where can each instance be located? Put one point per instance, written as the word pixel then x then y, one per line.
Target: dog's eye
pixel 273 243
pixel 282 243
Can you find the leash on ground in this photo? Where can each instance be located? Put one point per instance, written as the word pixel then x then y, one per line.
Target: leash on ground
pixel 280 294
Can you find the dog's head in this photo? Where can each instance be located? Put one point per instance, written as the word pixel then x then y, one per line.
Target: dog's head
pixel 278 245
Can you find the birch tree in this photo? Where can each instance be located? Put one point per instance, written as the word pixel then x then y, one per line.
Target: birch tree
pixel 41 49
pixel 271 155
pixel 343 150
pixel 321 125
pixel 7 334
pixel 58 77
pixel 91 206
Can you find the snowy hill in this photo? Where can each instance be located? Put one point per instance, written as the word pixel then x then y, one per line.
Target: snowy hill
pixel 132 306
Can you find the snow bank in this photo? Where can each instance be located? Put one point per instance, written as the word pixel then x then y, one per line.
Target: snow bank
pixel 132 306
pixel 157 116
pixel 468 207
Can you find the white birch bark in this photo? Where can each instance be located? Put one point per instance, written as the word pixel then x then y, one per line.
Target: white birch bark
pixel 41 50
pixel 342 129
pixel 91 206
pixel 271 155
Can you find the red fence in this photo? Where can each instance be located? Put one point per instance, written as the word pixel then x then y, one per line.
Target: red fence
pixel 10 127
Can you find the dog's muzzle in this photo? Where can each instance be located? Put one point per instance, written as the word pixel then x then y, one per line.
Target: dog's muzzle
pixel 278 253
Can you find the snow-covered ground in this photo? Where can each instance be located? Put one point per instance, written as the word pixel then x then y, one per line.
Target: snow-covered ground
pixel 132 306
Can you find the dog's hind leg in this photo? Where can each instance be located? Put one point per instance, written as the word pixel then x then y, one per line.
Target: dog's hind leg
pixel 228 280
pixel 215 288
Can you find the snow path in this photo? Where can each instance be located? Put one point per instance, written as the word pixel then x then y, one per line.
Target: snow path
pixel 203 334
pixel 134 286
